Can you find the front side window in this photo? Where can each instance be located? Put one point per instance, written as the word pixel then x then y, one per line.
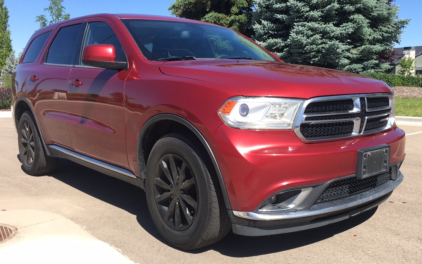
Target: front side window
pixel 163 40
pixel 102 33
pixel 66 45
pixel 35 47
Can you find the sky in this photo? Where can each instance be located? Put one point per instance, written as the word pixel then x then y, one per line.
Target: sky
pixel 22 15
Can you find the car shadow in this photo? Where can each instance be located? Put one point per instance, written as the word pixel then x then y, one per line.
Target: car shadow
pixel 133 200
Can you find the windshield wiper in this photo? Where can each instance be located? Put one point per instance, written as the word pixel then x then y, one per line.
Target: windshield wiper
pixel 177 58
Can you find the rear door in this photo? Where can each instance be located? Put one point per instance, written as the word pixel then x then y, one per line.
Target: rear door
pixel 96 100
pixel 49 83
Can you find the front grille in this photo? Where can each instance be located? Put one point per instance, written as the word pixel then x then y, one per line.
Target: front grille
pixel 326 129
pixel 376 123
pixel 330 106
pixel 352 186
pixel 356 115
pixel 377 102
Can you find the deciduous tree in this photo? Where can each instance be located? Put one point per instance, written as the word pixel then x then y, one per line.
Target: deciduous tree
pixel 56 11
pixel 407 66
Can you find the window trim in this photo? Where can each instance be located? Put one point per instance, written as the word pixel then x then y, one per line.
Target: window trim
pixel 32 41
pixel 79 64
pixel 83 24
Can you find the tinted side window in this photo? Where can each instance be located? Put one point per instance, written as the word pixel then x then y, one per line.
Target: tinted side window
pixel 35 47
pixel 102 33
pixel 65 46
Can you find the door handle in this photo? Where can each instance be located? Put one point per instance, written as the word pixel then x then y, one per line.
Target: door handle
pixel 33 78
pixel 75 83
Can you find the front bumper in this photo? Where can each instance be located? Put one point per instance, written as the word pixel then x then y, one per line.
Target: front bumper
pixel 258 164
pixel 259 224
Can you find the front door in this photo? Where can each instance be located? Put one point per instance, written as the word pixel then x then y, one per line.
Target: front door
pixel 96 102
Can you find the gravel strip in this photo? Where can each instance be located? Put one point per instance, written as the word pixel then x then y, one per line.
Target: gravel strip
pixel 407 92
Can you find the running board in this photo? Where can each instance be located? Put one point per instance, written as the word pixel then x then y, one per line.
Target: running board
pixel 100 166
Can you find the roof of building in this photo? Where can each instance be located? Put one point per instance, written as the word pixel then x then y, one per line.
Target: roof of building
pixel 399 56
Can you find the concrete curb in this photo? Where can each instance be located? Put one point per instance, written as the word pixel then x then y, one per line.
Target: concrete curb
pixel 5 114
pixel 408 120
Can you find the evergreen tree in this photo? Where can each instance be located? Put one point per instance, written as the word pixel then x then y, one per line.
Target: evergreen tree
pixel 5 41
pixel 351 35
pixel 11 63
pixel 235 14
pixel 56 11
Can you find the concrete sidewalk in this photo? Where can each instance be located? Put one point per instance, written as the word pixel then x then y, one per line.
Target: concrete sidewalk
pixel 50 238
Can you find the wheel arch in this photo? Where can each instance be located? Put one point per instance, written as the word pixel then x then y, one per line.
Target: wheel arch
pixel 164 124
pixel 22 105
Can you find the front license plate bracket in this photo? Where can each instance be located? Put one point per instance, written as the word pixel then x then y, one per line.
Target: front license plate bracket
pixel 373 161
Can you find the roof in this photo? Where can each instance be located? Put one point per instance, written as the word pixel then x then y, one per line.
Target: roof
pixel 125 16
pixel 399 56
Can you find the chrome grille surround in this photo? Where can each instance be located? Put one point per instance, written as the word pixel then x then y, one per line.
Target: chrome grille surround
pixel 358 109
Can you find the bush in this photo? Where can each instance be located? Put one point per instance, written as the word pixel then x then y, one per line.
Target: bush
pixel 7 81
pixel 5 98
pixel 396 80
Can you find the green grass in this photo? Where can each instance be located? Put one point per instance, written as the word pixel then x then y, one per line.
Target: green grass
pixel 409 107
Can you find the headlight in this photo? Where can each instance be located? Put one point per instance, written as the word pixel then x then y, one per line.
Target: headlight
pixel 260 112
pixel 392 119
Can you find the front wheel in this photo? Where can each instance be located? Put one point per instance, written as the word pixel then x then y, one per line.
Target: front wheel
pixel 181 196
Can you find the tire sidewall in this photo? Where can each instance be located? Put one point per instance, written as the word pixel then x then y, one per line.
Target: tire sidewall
pixel 188 237
pixel 26 167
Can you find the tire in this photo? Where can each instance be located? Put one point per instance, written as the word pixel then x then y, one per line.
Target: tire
pixel 34 160
pixel 178 183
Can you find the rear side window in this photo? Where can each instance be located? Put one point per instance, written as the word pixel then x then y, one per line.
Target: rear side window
pixel 35 47
pixel 66 45
pixel 102 33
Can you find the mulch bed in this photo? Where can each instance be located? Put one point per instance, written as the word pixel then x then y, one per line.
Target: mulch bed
pixel 407 92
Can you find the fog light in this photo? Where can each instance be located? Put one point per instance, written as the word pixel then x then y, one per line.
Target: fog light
pixel 273 199
pixel 285 200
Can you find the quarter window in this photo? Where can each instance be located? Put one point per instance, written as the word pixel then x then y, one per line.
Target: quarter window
pixel 66 45
pixel 102 33
pixel 35 47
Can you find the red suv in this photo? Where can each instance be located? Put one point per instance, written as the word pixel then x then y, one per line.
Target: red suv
pixel 220 133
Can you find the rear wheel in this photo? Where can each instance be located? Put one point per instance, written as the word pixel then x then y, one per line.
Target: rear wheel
pixel 32 155
pixel 181 196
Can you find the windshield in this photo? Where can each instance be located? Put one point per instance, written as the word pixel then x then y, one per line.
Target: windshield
pixel 169 40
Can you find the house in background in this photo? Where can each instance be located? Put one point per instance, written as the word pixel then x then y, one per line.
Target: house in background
pixel 408 52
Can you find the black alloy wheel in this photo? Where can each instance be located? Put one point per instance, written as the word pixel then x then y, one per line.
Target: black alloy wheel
pixel 28 144
pixel 32 155
pixel 176 195
pixel 182 199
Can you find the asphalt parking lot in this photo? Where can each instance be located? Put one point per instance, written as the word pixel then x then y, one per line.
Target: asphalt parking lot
pixel 115 214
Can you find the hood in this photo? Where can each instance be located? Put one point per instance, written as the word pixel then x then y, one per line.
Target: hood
pixel 261 78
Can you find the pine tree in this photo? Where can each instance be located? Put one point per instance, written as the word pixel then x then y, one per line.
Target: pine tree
pixel 5 41
pixel 56 11
pixel 235 14
pixel 351 35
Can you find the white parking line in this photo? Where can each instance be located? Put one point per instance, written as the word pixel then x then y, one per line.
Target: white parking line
pixel 415 133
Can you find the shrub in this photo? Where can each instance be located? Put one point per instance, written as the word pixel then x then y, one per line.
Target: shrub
pixel 5 98
pixel 396 80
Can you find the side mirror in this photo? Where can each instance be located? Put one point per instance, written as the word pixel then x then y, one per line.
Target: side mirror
pixel 102 56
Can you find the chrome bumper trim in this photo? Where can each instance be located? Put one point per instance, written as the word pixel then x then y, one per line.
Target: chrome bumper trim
pixel 329 207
